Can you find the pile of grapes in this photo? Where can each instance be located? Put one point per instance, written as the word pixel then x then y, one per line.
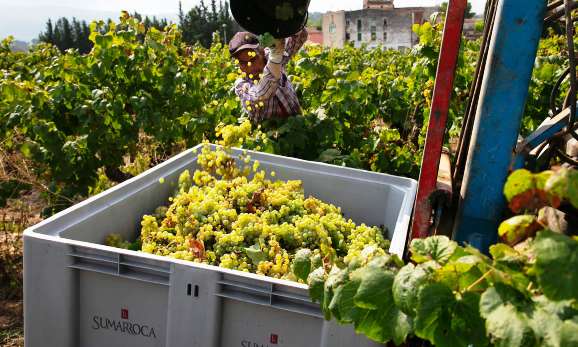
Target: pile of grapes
pixel 231 215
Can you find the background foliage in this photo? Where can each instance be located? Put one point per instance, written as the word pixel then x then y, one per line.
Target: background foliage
pixel 140 95
pixel 196 25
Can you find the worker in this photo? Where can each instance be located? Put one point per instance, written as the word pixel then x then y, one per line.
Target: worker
pixel 264 89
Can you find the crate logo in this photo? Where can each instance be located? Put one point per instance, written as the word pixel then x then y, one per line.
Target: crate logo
pixel 123 326
pixel 273 340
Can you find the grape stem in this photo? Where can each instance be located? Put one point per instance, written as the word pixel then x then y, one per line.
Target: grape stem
pixel 479 280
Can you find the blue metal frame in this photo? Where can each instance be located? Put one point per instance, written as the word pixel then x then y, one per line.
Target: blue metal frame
pixel 546 130
pixel 511 58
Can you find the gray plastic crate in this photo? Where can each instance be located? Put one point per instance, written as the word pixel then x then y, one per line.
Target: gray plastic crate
pixel 79 293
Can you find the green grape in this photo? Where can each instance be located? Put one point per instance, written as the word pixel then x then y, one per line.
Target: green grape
pixel 267 40
pixel 221 216
pixel 117 241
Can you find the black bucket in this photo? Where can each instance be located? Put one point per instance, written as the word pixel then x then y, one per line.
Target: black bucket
pixel 280 18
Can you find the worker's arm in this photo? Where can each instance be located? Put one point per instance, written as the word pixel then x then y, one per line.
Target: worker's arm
pixel 276 59
pixel 283 51
pixel 294 44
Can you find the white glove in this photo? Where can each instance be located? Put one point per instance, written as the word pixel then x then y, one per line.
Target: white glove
pixel 277 53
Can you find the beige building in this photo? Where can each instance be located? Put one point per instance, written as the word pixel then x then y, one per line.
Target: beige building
pixel 378 4
pixel 379 23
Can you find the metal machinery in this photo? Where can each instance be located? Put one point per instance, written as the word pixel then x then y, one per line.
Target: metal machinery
pixel 470 196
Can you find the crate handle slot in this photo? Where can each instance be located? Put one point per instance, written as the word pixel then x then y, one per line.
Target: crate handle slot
pixel 267 297
pixel 190 290
pixel 111 264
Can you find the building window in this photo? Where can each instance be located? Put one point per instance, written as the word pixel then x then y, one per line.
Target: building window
pixel 384 23
pixel 359 37
pixel 332 28
pixel 359 25
pixel 347 36
pixel 373 33
pixel 347 24
pixel 384 36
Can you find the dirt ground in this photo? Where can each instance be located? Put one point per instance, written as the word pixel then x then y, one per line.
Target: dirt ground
pixel 17 215
pixel 11 324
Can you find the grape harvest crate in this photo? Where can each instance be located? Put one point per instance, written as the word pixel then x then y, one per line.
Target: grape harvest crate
pixel 80 293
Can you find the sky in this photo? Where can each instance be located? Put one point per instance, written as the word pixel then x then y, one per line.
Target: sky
pixel 25 19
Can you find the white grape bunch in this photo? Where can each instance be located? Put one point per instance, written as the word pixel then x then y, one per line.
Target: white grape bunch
pixel 231 215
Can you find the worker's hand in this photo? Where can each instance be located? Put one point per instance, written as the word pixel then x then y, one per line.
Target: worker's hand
pixel 276 55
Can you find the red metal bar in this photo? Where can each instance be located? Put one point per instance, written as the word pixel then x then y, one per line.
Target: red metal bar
pixel 438 117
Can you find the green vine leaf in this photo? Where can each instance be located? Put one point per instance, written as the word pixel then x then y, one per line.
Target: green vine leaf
pixel 463 274
pixel 374 285
pixel 569 334
pixel 513 319
pixel 342 304
pixel 564 184
pixel 549 320
pixel 518 228
pixel 380 320
pixel 526 191
pixel 267 40
pixel 255 254
pixel 518 183
pixel 507 321
pixel 329 155
pixel 436 248
pixel 302 264
pixel 406 286
pixel 505 254
pixel 447 320
pixel 556 265
pixel 336 278
pixel 511 265
pixel 316 282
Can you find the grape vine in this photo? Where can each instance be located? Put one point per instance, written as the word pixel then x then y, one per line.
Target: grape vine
pixel 525 294
pixel 81 117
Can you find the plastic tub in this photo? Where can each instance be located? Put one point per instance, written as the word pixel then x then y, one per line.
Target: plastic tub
pixel 79 293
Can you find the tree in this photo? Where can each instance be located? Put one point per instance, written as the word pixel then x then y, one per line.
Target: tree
pixel 49 35
pixel 67 34
pixel 67 39
pixel 199 24
pixel 315 20
pixel 469 13
pixel 81 32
